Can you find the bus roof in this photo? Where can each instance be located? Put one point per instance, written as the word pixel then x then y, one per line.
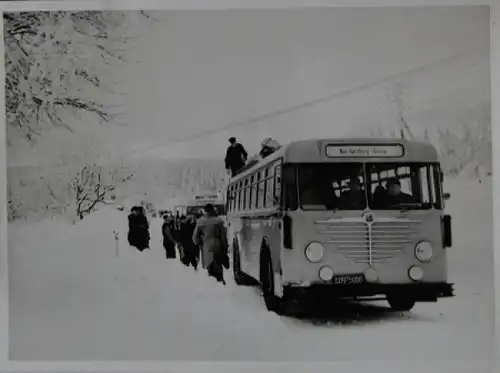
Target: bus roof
pixel 377 150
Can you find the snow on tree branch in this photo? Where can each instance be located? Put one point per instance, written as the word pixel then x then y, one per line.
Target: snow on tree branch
pixel 57 62
pixel 474 145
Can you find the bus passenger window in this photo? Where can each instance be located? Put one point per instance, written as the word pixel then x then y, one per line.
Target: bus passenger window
pixel 436 182
pixel 265 183
pixel 270 189
pixel 240 195
pixel 425 185
pixel 261 197
pixel 277 186
pixel 245 195
pixel 251 193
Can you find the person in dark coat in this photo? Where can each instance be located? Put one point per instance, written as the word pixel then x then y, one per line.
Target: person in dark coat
pixel 167 230
pixel 210 233
pixel 189 249
pixel 354 198
pixel 394 194
pixel 138 229
pixel 236 156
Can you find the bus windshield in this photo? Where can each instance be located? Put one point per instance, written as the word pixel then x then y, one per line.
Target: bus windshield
pixel 387 186
pixel 193 210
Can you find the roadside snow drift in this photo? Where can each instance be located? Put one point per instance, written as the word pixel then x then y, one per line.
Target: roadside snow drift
pixel 77 294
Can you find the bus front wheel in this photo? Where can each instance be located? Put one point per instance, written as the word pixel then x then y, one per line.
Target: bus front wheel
pixel 400 303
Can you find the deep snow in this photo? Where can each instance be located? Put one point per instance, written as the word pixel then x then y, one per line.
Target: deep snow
pixel 72 298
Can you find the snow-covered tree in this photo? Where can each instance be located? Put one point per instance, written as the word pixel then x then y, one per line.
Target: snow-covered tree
pixel 394 94
pixel 58 62
pixel 473 145
pixel 91 188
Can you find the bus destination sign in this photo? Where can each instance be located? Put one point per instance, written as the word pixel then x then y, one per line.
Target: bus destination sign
pixel 365 151
pixel 207 197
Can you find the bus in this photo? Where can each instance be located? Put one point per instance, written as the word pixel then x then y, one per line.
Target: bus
pixel 199 201
pixel 322 218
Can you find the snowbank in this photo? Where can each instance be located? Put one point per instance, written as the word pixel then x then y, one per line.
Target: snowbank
pixel 73 297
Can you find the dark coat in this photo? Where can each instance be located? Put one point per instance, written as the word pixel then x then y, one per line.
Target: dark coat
pixel 138 231
pixel 236 157
pixel 168 235
pixel 186 235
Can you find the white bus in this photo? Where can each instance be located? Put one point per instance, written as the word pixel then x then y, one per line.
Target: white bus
pixel 322 218
pixel 199 201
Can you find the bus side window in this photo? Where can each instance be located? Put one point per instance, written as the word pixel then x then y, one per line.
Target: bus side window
pixel 277 185
pixel 255 191
pixel 261 190
pixel 251 193
pixel 240 195
pixel 234 197
pixel 246 197
pixel 265 183
pixel 437 184
pixel 425 185
pixel 270 188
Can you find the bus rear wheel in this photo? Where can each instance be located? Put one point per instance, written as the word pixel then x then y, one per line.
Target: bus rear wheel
pixel 273 303
pixel 400 303
pixel 240 278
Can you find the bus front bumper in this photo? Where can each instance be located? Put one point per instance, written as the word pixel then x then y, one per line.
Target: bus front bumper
pixel 420 292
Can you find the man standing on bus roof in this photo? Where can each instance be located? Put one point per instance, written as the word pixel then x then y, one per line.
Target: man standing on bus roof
pixel 236 156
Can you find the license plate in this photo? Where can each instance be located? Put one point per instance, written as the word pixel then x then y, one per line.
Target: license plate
pixel 348 280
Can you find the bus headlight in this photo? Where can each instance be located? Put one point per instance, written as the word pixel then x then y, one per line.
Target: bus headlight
pixel 424 251
pixel 314 252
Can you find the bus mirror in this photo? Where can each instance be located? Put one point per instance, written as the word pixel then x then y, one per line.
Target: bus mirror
pixel 446 227
pixel 446 196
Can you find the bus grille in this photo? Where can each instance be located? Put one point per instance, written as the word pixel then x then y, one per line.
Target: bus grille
pixel 387 238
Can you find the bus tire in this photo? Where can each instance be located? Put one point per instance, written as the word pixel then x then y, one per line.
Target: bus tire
pixel 273 303
pixel 240 278
pixel 400 303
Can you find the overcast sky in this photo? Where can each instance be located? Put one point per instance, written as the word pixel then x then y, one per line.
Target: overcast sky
pixel 200 70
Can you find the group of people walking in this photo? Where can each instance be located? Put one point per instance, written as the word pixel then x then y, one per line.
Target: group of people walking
pixel 197 238
pixel 194 239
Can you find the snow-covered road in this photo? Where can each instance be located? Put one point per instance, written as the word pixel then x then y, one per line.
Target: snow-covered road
pixel 72 298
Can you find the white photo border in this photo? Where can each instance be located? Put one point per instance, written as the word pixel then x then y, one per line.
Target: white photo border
pixel 443 366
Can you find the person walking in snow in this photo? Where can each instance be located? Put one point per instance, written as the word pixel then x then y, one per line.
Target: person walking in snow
pixel 169 242
pixel 138 229
pixel 236 156
pixel 189 249
pixel 210 233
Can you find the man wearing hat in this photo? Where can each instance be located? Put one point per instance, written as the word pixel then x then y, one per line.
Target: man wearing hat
pixel 236 156
pixel 394 194
pixel 211 236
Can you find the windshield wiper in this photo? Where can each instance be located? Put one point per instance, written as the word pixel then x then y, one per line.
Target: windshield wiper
pixel 409 206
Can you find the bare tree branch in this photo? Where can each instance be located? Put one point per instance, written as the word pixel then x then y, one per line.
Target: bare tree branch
pixel 90 189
